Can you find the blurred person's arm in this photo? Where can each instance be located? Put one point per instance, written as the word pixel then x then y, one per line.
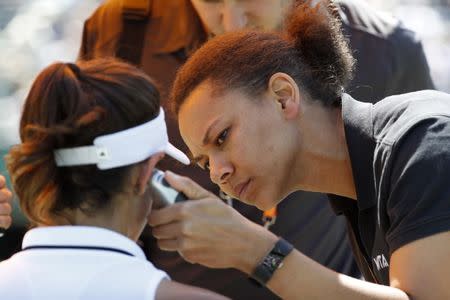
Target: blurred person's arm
pixel 5 205
pixel 390 57
pixel 101 31
pixel 412 72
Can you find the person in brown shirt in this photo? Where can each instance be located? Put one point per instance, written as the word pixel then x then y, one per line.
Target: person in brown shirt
pixel 159 35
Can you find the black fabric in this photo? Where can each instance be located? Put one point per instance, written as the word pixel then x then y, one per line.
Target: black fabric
pixel 11 242
pixel 400 155
pixel 421 156
pixel 390 57
pixel 349 209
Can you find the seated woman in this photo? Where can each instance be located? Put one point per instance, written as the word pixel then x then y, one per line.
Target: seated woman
pixel 91 135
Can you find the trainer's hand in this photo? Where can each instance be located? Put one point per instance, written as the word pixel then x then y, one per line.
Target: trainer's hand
pixel 5 204
pixel 207 231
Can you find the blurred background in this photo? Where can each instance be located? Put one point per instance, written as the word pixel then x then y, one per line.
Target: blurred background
pixel 34 33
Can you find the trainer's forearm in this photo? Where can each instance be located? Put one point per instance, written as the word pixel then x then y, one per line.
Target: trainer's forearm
pixel 302 278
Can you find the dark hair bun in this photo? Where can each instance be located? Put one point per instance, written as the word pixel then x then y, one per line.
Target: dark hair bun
pixel 315 32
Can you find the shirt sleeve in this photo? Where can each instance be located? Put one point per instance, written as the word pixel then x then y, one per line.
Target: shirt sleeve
pixel 101 31
pixel 153 282
pixel 419 201
pixel 412 70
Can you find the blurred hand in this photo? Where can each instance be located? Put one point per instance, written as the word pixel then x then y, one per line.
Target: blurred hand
pixel 207 231
pixel 5 204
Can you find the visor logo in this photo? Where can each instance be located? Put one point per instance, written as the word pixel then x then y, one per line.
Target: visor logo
pixel 102 153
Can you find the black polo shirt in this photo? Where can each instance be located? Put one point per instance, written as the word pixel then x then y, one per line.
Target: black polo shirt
pixel 400 155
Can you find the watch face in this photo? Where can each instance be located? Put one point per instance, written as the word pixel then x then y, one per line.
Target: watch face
pixel 272 261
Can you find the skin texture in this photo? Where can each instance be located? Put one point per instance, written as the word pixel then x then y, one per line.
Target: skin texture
pixel 5 204
pixel 225 150
pixel 260 150
pixel 313 156
pixel 206 228
pixel 219 16
pixel 128 211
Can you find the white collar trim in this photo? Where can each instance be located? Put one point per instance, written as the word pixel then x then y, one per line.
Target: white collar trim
pixel 80 236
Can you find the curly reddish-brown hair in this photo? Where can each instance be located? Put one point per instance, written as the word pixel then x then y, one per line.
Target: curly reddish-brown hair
pixel 312 50
pixel 70 105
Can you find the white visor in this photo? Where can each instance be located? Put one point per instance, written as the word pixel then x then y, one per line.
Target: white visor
pixel 123 148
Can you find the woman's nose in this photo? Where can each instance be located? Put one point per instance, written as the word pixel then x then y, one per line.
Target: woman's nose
pixel 219 170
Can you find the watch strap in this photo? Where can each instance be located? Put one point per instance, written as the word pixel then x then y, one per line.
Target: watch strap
pixel 272 261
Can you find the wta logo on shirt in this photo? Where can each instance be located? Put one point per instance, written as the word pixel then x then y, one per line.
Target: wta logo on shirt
pixel 381 262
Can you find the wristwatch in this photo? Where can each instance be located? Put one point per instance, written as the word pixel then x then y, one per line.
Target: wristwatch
pixel 272 261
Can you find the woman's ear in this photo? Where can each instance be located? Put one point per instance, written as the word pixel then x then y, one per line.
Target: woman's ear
pixel 146 171
pixel 285 92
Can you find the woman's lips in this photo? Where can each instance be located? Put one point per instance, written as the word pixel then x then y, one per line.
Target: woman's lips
pixel 241 188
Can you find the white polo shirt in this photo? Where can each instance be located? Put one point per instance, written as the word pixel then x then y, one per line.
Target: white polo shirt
pixel 78 262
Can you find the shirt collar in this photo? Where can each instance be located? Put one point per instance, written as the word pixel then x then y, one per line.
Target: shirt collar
pixel 358 125
pixel 80 236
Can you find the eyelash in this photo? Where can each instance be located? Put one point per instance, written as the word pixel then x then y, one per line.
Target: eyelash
pixel 222 136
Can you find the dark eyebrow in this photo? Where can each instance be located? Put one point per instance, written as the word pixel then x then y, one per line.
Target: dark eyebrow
pixel 205 141
pixel 206 138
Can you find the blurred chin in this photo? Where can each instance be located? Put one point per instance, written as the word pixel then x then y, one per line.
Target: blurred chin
pixel 217 32
pixel 264 205
pixel 261 204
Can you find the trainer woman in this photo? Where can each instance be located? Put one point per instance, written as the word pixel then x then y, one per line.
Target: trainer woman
pixel 91 134
pixel 267 115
